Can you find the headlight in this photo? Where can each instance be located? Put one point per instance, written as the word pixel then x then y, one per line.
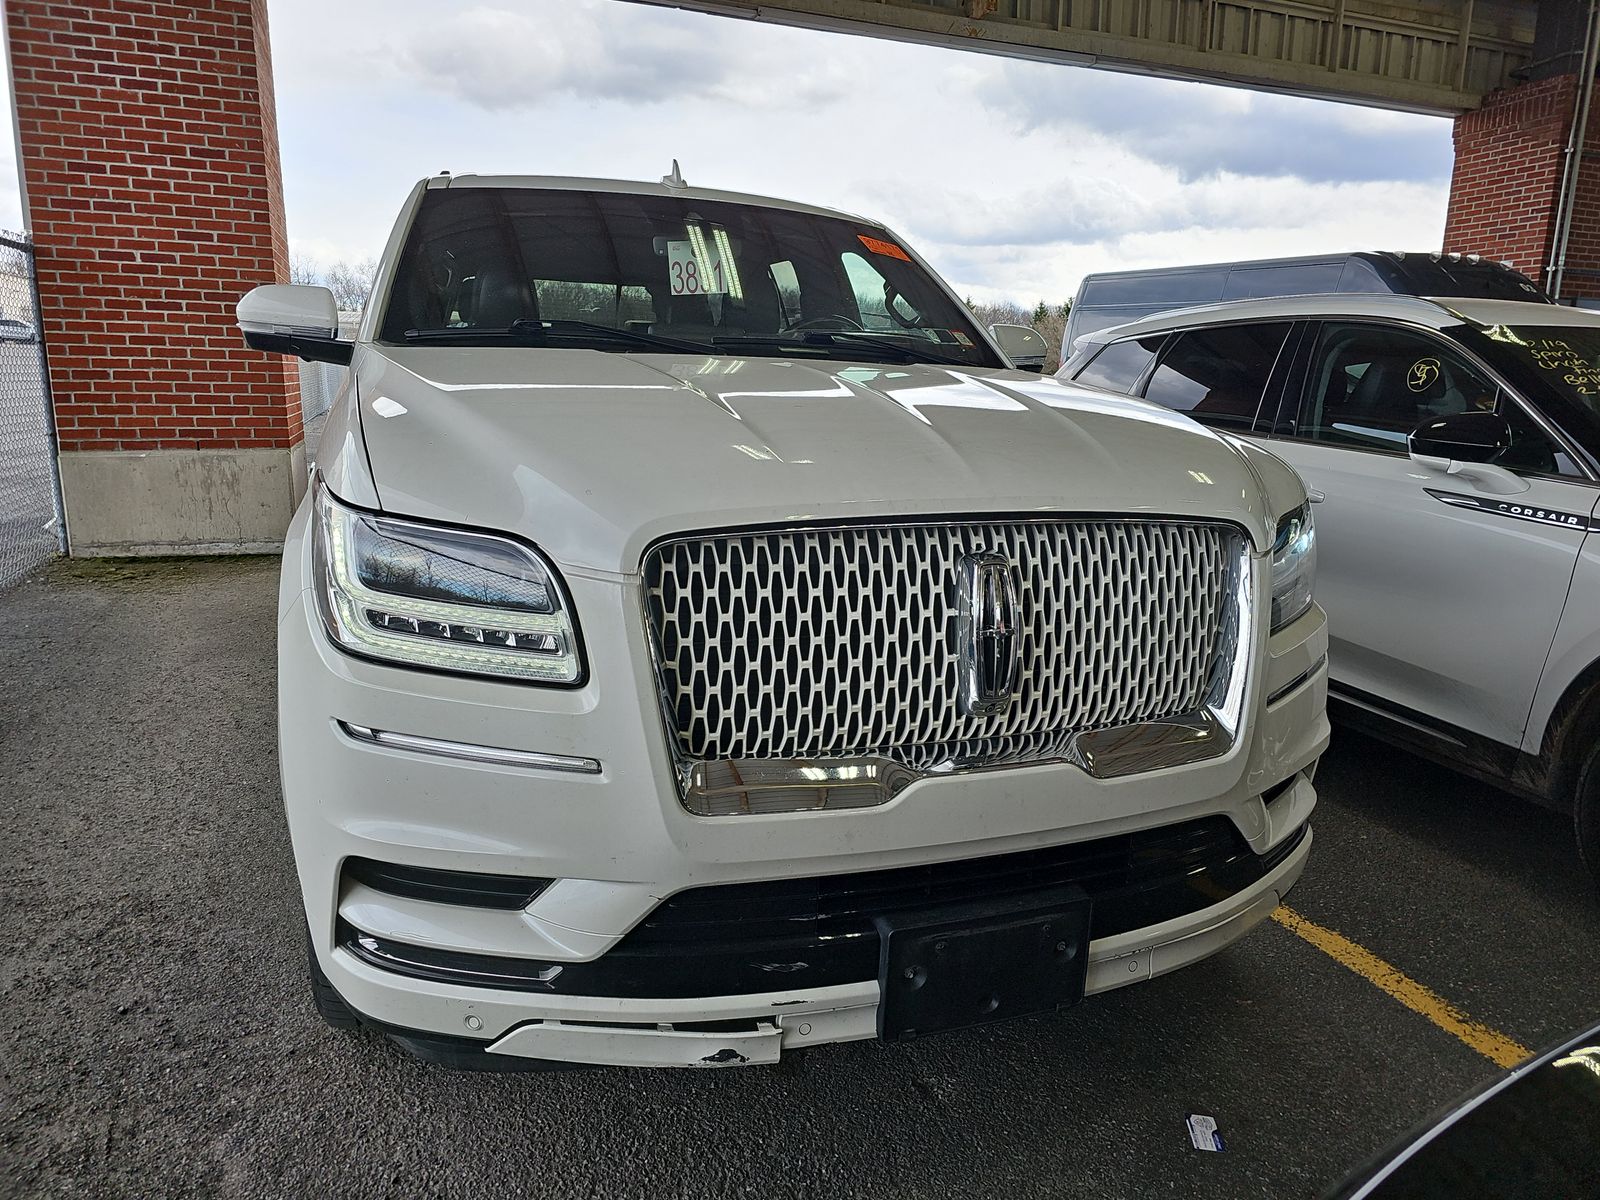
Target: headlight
pixel 1294 566
pixel 427 596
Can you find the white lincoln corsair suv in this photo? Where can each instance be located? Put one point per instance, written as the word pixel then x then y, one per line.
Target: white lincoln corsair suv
pixel 700 641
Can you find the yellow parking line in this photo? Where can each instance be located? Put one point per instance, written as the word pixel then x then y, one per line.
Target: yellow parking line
pixel 1494 1046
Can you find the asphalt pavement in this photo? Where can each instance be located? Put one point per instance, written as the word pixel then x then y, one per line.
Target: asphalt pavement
pixel 158 1040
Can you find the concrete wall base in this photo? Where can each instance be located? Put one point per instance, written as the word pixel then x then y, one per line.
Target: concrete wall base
pixel 150 502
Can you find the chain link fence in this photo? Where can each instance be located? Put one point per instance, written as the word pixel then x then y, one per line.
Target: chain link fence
pixel 31 530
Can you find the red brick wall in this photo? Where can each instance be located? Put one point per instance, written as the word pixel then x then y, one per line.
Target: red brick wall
pixel 1509 158
pixel 1583 245
pixel 154 193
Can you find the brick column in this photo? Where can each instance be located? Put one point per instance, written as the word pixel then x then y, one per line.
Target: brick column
pixel 1503 195
pixel 152 186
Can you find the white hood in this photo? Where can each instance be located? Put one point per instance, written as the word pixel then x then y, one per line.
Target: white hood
pixel 592 456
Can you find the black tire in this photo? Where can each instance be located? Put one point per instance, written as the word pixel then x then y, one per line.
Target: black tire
pixel 329 1004
pixel 1586 814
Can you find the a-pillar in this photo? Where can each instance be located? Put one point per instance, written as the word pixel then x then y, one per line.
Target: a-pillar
pixel 152 188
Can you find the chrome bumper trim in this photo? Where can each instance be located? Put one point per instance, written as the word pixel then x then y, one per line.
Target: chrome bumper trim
pixel 757 786
pixel 1108 753
pixel 492 755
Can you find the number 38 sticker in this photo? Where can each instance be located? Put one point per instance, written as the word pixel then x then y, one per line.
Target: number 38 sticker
pixel 689 275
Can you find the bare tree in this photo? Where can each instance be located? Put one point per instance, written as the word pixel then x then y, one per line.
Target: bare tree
pixel 303 269
pixel 1049 320
pixel 351 285
pixel 999 312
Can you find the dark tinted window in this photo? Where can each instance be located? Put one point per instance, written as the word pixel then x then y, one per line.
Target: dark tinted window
pixel 1118 367
pixel 1532 449
pixel 1370 386
pixel 1361 276
pixel 575 268
pixel 1218 375
pixel 1555 367
pixel 1301 279
pixel 1423 275
pixel 1172 288
pixel 1085 321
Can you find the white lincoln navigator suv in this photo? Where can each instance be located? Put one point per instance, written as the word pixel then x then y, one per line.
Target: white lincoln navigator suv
pixel 699 642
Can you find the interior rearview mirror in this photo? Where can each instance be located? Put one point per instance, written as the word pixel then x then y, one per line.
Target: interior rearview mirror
pixel 293 318
pixel 1023 345
pixel 1469 437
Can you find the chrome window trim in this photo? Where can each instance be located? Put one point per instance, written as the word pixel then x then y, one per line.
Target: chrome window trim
pixel 1210 732
pixel 467 751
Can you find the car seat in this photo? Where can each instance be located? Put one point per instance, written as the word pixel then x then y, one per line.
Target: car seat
pixel 1382 398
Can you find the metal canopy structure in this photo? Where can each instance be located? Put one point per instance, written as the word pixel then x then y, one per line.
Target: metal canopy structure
pixel 1427 56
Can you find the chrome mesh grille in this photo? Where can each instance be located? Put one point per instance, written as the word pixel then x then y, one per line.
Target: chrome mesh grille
pixel 840 642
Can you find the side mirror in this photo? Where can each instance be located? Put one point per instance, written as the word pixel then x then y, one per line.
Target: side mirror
pixel 1466 445
pixel 1468 437
pixel 293 318
pixel 1023 345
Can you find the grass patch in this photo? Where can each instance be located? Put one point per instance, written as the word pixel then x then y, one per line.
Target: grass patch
pixel 144 572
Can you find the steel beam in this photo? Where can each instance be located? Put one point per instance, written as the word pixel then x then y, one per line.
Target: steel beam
pixel 1428 56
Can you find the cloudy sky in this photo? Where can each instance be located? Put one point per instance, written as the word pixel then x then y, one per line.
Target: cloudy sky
pixel 1013 178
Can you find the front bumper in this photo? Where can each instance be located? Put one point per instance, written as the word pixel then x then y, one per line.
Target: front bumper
pixel 618 842
pixel 609 1031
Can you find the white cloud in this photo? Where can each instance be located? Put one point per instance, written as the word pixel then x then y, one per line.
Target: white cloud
pixel 504 60
pixel 1014 178
pixel 10 186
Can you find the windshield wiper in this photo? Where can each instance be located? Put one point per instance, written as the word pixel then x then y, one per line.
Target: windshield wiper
pixel 533 331
pixel 624 335
pixel 915 352
pixel 827 340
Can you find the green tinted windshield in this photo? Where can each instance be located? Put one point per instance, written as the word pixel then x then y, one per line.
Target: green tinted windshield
pixel 578 268
pixel 1557 367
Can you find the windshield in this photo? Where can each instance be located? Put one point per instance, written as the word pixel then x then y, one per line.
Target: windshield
pixel 1424 275
pixel 628 273
pixel 1556 366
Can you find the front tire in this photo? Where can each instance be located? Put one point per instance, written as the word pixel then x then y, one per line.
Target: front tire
pixel 325 999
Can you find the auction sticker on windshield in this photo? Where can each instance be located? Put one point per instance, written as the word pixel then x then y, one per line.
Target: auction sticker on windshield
pixel 887 249
pixel 692 274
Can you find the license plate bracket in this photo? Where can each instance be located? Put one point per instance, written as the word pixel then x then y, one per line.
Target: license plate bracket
pixel 973 963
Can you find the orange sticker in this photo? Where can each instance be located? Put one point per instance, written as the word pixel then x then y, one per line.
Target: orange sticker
pixel 879 246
